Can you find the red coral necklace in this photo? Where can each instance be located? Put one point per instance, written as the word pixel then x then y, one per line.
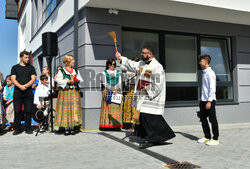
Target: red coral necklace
pixel 70 71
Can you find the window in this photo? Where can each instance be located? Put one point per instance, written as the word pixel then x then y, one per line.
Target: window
pixel 50 6
pixel 179 57
pixel 218 50
pixel 41 10
pixel 132 43
pixel 40 62
pixel 20 4
pixel 180 53
pixel 23 33
pixel 181 67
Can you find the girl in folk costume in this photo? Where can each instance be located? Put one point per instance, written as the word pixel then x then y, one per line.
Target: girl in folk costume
pixel 56 87
pixel 8 97
pixel 46 71
pixel 68 109
pixel 111 113
pixel 58 68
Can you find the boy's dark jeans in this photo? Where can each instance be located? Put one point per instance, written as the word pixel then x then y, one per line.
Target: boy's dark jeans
pixel 211 115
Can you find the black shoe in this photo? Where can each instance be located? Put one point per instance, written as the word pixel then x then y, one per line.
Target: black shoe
pixel 67 133
pixel 60 132
pixel 146 144
pixel 72 132
pixel 2 132
pixel 16 132
pixel 28 131
pixel 104 129
pixel 117 129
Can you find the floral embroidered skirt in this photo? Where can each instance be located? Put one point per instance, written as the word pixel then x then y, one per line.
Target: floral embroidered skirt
pixel 130 114
pixel 135 116
pixel 68 109
pixel 9 116
pixel 127 109
pixel 111 114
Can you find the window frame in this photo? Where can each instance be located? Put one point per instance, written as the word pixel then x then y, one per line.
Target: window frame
pixel 161 41
pixel 50 5
pixel 182 84
pixel 230 64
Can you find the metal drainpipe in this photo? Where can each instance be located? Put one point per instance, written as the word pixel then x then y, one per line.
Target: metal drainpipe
pixel 76 18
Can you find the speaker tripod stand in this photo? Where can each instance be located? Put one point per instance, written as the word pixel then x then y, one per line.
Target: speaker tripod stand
pixel 50 50
pixel 130 134
pixel 43 125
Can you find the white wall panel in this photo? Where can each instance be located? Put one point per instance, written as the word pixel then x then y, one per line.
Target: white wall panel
pixel 244 82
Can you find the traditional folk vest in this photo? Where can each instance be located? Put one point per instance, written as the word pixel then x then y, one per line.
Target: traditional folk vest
pixel 69 86
pixel 112 81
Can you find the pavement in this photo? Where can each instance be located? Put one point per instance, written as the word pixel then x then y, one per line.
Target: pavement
pixel 107 150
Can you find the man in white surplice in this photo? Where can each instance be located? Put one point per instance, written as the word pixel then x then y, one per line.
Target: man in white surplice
pixel 150 94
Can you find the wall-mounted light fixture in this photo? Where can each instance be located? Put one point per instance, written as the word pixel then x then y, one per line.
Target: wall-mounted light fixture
pixel 113 11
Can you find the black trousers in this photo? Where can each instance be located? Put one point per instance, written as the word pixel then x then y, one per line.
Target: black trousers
pixel 23 99
pixel 211 115
pixel 154 128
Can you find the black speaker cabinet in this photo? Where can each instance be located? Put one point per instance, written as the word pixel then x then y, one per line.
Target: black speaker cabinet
pixel 49 44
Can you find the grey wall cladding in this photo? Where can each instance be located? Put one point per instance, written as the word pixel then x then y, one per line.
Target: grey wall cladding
pixel 98 34
pixel 243 49
pixel 239 33
pixel 165 23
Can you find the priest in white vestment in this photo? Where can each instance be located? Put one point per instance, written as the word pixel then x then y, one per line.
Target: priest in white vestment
pixel 150 96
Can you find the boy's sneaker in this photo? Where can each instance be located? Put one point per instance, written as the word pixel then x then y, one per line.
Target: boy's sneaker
pixel 203 140
pixel 212 142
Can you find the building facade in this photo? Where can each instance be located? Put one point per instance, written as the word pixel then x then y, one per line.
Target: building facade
pixel 179 30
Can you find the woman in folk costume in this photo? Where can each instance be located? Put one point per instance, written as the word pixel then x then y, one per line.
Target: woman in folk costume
pixel 111 113
pixel 129 116
pixel 68 109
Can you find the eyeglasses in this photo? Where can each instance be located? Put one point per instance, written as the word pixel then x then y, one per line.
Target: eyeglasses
pixel 144 53
pixel 113 64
